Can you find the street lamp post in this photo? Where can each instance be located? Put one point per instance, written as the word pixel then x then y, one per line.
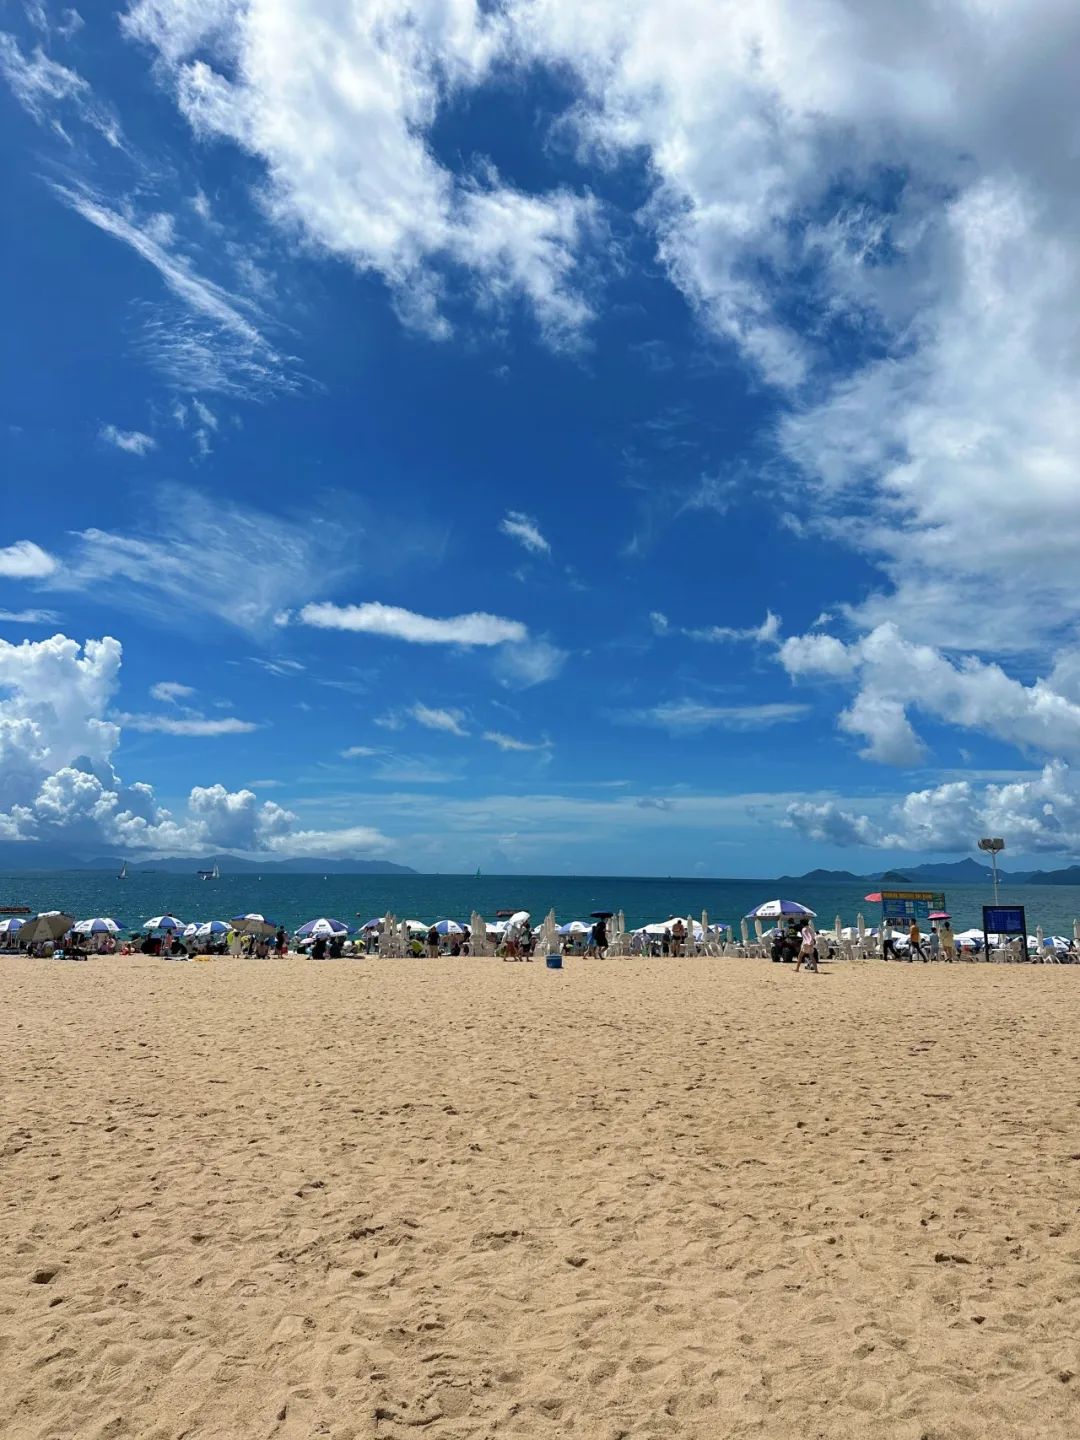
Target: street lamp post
pixel 994 847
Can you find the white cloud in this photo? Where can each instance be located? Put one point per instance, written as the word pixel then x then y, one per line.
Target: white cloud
pixel 434 718
pixel 197 725
pixel 511 743
pixel 57 743
pixel 133 441
pixel 29 617
pixel 336 103
pixel 171 690
pixel 46 90
pixel 25 561
pixel 682 716
pixel 893 676
pixel 524 529
pixel 395 623
pixel 151 564
pixel 355 752
pixel 529 662
pixel 1040 813
pixel 762 634
pixel 218 345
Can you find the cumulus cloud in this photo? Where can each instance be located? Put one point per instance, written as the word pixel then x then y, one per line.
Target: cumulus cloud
pixel 1039 814
pixel 25 561
pixel 57 781
pixel 374 618
pixel 434 718
pixel 134 442
pixel 524 529
pixel 894 676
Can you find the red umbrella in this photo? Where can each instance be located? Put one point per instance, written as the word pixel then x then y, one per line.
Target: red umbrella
pixel 940 915
pixel 875 898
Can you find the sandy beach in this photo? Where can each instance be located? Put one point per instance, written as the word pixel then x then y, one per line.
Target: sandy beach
pixel 466 1199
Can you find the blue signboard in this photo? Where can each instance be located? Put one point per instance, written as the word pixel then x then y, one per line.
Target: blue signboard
pixel 910 904
pixel 1004 920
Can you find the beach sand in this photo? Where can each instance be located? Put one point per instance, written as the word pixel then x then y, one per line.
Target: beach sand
pixel 465 1198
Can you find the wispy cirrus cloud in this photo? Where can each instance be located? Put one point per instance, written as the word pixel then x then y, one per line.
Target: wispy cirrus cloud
pixel 134 442
pixel 29 617
pixel 524 529
pixel 762 634
pixel 451 722
pixel 684 716
pixel 510 743
pixel 200 726
pixel 49 91
pixel 171 691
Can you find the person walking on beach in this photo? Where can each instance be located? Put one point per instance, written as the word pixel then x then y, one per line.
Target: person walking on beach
pixel 915 943
pixel 934 943
pixel 281 941
pixel 598 946
pixel 678 935
pixel 433 943
pixel 806 948
pixel 948 942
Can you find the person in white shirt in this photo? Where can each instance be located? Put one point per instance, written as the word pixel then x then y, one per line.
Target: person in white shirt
pixel 807 942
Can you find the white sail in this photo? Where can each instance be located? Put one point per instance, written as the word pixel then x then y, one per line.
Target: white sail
pixel 123 870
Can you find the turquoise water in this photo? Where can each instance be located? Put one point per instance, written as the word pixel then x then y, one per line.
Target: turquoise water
pixel 292 899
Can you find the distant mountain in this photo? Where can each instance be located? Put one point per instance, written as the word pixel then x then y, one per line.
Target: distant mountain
pixel 820 877
pixel 890 877
pixel 1069 876
pixel 17 856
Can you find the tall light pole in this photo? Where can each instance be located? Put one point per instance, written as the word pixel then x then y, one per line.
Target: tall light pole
pixel 993 846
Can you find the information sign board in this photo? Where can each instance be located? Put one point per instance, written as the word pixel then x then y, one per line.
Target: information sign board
pixel 910 904
pixel 1004 920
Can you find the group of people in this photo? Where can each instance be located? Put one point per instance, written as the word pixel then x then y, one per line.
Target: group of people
pixel 940 944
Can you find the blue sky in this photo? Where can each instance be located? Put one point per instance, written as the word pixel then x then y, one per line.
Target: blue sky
pixel 640 440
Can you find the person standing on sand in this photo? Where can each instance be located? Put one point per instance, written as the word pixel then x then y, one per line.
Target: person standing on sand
pixel 806 948
pixel 915 943
pixel 281 941
pixel 948 942
pixel 678 935
pixel 433 943
pixel 934 943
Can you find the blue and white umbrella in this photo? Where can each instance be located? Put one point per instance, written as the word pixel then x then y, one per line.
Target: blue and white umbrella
pixel 99 925
pixel 773 909
pixel 164 922
pixel 9 927
pixel 207 929
pixel 314 928
pixel 449 927
pixel 375 924
pixel 573 927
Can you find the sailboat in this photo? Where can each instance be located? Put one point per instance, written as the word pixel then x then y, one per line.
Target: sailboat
pixel 123 870
pixel 214 874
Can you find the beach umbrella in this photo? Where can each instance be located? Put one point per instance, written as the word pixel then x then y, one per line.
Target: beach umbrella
pixel 49 925
pixel 9 927
pixel 163 922
pixel 860 925
pixel 1076 929
pixel 253 924
pixel 745 931
pixel 449 927
pixel 519 917
pixel 314 928
pixel 601 914
pixel 375 924
pixel 940 915
pixel 208 929
pixel 99 925
pixel 773 909
pixel 416 927
pixel 838 926
pixel 573 927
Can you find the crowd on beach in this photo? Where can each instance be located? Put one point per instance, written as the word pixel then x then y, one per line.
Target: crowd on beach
pixel 793 939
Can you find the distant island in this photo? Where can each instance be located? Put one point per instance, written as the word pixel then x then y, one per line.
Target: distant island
pixel 15 856
pixel 955 872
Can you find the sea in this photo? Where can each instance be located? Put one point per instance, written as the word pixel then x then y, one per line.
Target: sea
pixel 291 899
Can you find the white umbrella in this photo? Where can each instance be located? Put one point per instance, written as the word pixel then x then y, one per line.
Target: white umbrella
pixel 323 927
pixel 448 927
pixel 519 917
pixel 745 932
pixel 416 927
pixel 9 927
pixel 574 927
pixel 774 909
